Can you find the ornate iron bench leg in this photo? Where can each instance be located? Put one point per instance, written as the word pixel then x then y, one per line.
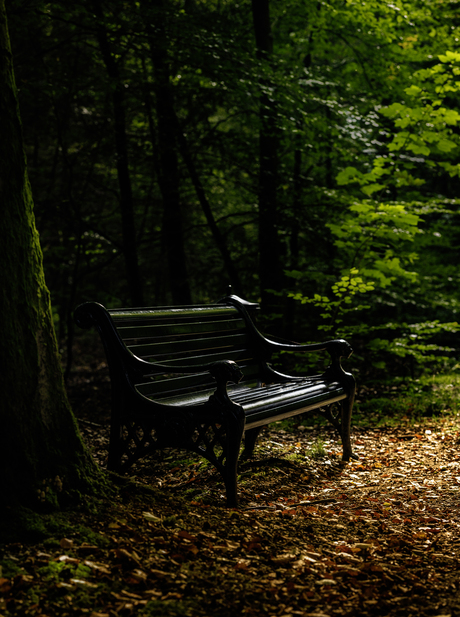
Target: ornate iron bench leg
pixel 250 438
pixel 345 430
pixel 235 430
pixel 347 407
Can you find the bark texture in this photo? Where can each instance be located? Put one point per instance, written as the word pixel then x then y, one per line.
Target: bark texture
pixel 41 453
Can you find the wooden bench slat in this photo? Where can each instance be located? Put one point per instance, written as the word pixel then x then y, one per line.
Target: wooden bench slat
pixel 237 355
pixel 171 348
pixel 154 331
pixel 156 315
pixel 170 312
pixel 200 397
pixel 264 404
pixel 262 416
pixel 160 388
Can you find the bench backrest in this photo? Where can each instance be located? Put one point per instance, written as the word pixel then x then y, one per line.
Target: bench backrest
pixel 185 336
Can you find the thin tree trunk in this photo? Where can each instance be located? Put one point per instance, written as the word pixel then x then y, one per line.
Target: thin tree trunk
pixel 173 236
pixel 121 147
pixel 270 268
pixel 199 190
pixel 288 328
pixel 207 210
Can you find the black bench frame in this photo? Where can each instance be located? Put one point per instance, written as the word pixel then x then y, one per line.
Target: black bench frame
pixel 163 362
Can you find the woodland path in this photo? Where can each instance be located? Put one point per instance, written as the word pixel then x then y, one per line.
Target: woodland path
pixel 313 536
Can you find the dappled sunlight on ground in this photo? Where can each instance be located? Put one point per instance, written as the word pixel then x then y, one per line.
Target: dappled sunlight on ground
pixel 312 536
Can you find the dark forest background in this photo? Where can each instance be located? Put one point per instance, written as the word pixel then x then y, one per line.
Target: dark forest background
pixel 305 153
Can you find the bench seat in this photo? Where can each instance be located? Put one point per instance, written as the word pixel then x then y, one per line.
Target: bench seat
pixel 273 402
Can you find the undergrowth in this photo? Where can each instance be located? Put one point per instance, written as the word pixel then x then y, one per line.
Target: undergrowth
pixel 401 401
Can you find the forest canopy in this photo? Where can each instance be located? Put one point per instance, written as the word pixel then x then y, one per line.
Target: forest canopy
pixel 305 153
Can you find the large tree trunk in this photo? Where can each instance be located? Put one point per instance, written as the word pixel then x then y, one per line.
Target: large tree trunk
pixel 41 453
pixel 270 267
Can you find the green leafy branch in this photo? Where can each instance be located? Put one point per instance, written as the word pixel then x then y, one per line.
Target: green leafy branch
pixel 335 308
pixel 373 241
pixel 425 127
pixel 374 237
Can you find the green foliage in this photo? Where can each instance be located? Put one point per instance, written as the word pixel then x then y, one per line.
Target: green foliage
pixel 433 396
pixel 58 570
pixel 371 235
pixel 9 568
pixel 423 141
pixel 419 344
pixel 424 132
pixel 374 237
pixel 374 241
pixel 428 125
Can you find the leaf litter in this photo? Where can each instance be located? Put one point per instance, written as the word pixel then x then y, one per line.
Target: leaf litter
pixel 313 536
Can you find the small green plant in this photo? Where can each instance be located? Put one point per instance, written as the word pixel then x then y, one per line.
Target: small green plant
pixel 56 570
pixel 9 568
pixel 171 521
pixel 317 449
pixel 294 457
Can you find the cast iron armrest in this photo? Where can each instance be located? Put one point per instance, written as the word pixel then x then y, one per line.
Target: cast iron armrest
pixel 223 371
pixel 337 348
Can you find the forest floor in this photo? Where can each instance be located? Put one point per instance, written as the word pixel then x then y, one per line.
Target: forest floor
pixel 313 536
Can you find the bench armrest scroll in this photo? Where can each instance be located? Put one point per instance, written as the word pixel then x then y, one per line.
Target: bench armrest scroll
pixel 224 371
pixel 337 348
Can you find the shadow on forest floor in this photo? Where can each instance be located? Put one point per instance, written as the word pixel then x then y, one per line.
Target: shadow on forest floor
pixel 312 536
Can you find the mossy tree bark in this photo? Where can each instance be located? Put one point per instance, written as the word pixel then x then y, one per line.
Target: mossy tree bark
pixel 41 452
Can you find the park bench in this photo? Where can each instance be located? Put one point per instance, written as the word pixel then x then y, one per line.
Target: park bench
pixel 199 378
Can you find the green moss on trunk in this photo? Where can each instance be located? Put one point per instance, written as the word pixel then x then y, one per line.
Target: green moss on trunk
pixel 42 456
